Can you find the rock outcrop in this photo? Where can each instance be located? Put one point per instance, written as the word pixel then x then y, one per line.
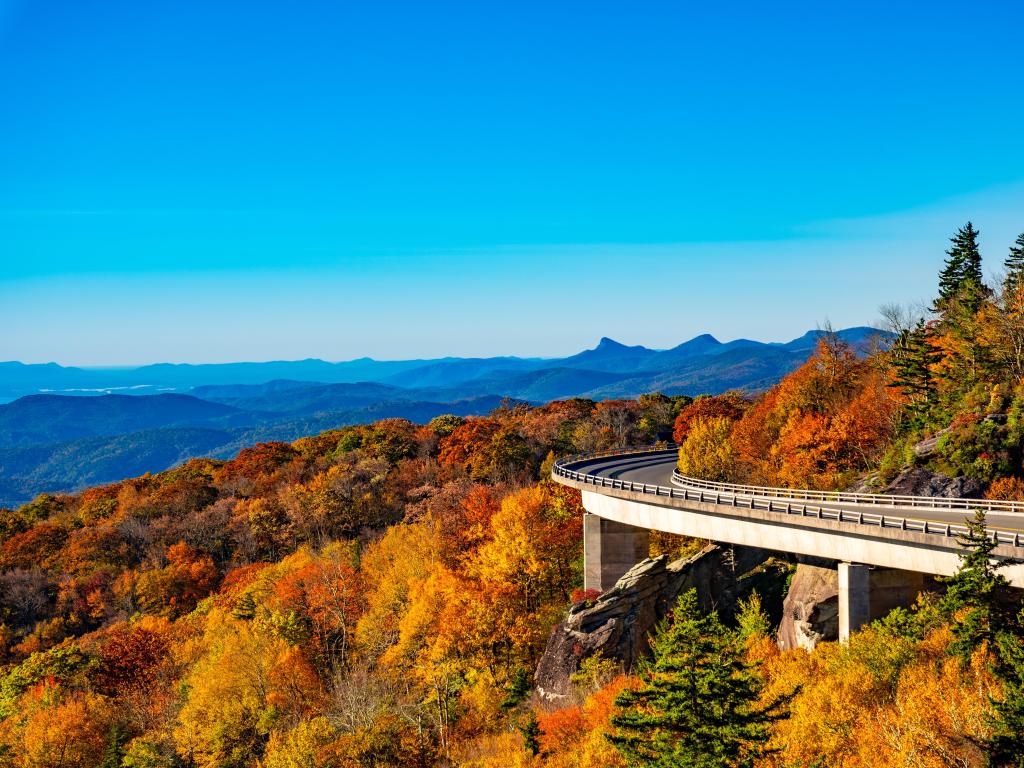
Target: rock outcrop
pixel 919 481
pixel 810 612
pixel 616 625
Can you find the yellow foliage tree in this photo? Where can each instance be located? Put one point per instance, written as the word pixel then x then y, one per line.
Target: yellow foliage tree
pixel 708 451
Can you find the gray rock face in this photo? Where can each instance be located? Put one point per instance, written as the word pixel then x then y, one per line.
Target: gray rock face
pixel 810 612
pixel 617 624
pixel 919 481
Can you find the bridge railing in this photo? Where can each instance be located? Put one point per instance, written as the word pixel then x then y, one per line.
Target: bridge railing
pixel 739 496
pixel 843 497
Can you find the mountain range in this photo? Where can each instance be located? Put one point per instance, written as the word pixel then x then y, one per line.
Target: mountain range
pixel 64 428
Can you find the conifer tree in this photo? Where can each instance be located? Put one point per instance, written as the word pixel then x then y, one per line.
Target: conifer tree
pixel 961 277
pixel 1006 747
pixel 1014 266
pixel 913 356
pixel 978 597
pixel 966 240
pixel 951 275
pixel 986 612
pixel 699 704
pixel 114 753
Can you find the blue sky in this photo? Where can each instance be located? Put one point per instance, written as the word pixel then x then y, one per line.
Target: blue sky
pixel 196 181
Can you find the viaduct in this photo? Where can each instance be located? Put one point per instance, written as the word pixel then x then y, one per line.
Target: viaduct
pixel 885 546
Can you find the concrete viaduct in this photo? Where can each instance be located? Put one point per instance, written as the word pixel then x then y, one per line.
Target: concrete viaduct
pixel 881 542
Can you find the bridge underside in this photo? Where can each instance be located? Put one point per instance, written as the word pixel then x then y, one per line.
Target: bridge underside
pixel 874 575
pixel 826 539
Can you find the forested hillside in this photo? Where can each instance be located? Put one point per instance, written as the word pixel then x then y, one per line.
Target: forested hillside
pixel 380 594
pixel 96 426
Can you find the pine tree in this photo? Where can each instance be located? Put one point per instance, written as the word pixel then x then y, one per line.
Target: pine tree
pixel 986 612
pixel 1006 747
pixel 961 277
pixel 966 239
pixel 530 731
pixel 1014 267
pixel 913 356
pixel 951 275
pixel 699 702
pixel 978 600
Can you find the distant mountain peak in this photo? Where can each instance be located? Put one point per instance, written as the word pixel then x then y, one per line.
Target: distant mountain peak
pixel 704 338
pixel 605 343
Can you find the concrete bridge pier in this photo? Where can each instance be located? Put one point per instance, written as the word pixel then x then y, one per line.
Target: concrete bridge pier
pixel 867 593
pixel 610 549
pixel 854 598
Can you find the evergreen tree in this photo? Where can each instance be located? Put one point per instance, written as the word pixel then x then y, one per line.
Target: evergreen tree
pixel 698 705
pixel 966 239
pixel 951 275
pixel 530 731
pixel 961 277
pixel 985 611
pixel 979 600
pixel 1006 747
pixel 1014 266
pixel 913 356
pixel 114 753
pixel 518 689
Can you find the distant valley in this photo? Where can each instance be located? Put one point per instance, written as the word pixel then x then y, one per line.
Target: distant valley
pixel 65 428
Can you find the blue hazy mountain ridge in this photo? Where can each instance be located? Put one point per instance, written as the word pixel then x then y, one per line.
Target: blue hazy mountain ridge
pixel 538 386
pixel 281 396
pixel 446 373
pixel 63 442
pixel 18 379
pixel 40 419
pixel 610 356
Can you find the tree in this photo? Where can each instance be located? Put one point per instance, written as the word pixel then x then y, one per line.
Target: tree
pixel 730 405
pixel 962 270
pixel 708 451
pixel 913 357
pixel 1014 264
pixel 1006 747
pixel 187 578
pixel 986 614
pixel 64 731
pixel 699 702
pixel 978 600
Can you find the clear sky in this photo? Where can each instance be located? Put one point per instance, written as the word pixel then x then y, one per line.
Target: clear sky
pixel 209 181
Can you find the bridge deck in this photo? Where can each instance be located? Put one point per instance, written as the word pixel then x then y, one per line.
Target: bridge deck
pixel 657 469
pixel 639 488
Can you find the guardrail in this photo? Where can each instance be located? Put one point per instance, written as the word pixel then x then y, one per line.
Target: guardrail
pixel 740 496
pixel 844 497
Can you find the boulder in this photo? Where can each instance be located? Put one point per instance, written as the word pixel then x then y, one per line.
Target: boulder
pixel 810 612
pixel 617 624
pixel 926 447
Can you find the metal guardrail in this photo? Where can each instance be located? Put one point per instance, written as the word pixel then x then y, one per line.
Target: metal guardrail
pixel 843 497
pixel 746 497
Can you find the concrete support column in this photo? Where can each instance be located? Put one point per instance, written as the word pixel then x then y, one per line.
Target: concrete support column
pixel 609 550
pixel 854 598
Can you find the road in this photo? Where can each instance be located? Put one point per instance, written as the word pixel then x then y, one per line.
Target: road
pixel 657 470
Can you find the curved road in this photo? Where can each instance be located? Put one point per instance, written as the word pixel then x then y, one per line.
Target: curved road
pixel 657 470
